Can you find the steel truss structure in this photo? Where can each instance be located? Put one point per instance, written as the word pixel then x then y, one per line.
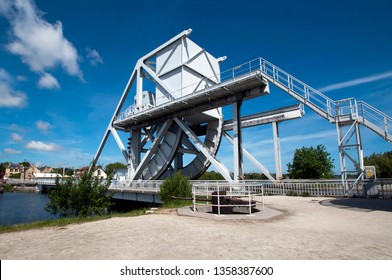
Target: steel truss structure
pixel 176 123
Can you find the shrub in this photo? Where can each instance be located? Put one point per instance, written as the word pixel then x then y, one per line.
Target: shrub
pixel 7 188
pixel 82 198
pixel 305 194
pixel 176 185
pixel 291 193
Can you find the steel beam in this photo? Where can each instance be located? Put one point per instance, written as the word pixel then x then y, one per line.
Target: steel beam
pixel 202 148
pixel 155 145
pixel 251 158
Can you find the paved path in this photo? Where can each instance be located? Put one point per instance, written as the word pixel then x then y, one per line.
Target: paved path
pixel 307 228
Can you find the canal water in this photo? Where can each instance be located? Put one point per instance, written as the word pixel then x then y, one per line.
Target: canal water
pixel 23 207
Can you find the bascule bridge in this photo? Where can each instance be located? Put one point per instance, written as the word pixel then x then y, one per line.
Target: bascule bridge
pixel 175 121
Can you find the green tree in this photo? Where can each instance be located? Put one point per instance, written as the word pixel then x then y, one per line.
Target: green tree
pixel 311 163
pixel 382 162
pixel 85 197
pixel 25 164
pixel 211 175
pixel 255 176
pixel 3 166
pixel 111 167
pixel 176 185
pixel 69 172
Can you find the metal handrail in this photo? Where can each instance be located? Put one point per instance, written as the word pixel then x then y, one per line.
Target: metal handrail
pixel 284 187
pixel 317 101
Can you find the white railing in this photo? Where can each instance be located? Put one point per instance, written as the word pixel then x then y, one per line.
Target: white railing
pixel 305 188
pixel 380 187
pixel 136 185
pixel 19 181
pixel 221 197
pixel 301 91
pixel 298 187
pixel 317 101
pixel 376 117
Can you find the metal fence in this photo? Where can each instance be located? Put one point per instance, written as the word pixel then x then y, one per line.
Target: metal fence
pixel 222 197
pixel 136 185
pixel 378 188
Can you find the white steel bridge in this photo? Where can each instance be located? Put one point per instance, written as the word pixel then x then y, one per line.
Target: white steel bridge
pixel 179 125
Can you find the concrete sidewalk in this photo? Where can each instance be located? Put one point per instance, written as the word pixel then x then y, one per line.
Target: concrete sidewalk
pixel 300 228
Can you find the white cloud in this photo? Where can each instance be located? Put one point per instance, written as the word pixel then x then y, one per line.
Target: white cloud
pixel 47 81
pixel 10 98
pixel 40 44
pixel 21 78
pixel 43 126
pixel 356 82
pixel 305 138
pixel 11 151
pixel 15 127
pixel 41 146
pixel 94 57
pixel 16 137
pixel 5 76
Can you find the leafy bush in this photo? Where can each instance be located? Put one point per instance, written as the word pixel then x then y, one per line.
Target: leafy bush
pixel 291 193
pixel 305 194
pixel 82 198
pixel 176 185
pixel 7 187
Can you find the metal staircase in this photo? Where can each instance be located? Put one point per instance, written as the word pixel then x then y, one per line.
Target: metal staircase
pixel 347 114
pixel 343 111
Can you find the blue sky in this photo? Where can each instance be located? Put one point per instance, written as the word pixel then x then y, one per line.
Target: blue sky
pixel 64 65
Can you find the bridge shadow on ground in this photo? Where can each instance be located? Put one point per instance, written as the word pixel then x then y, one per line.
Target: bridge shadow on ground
pixel 360 204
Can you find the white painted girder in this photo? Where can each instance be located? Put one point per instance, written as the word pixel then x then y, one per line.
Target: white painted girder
pixel 202 148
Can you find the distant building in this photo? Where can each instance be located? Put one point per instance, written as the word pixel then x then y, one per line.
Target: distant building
pixel 28 173
pixel 12 170
pixel 98 172
pixel 46 169
pixel 120 174
pixel 41 175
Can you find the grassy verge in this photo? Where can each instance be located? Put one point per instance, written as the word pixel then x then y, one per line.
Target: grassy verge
pixel 177 203
pixel 67 221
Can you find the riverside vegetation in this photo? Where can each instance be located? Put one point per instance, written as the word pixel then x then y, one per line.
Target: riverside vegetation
pixel 87 200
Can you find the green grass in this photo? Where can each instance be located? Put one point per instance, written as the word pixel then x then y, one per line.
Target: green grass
pixel 177 203
pixel 67 221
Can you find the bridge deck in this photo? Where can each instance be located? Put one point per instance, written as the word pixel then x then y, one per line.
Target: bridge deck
pixel 249 85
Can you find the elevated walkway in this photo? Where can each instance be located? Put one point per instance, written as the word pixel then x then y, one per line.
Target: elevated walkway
pixel 249 85
pixel 250 79
pixel 344 111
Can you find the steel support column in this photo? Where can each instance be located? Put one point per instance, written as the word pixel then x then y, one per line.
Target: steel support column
pixel 278 159
pixel 237 141
pixel 347 142
pixel 134 152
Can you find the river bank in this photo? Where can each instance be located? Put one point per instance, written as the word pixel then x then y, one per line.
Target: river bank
pixel 309 228
pixel 19 188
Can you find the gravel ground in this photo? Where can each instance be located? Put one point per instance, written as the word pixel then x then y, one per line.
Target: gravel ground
pixel 302 228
